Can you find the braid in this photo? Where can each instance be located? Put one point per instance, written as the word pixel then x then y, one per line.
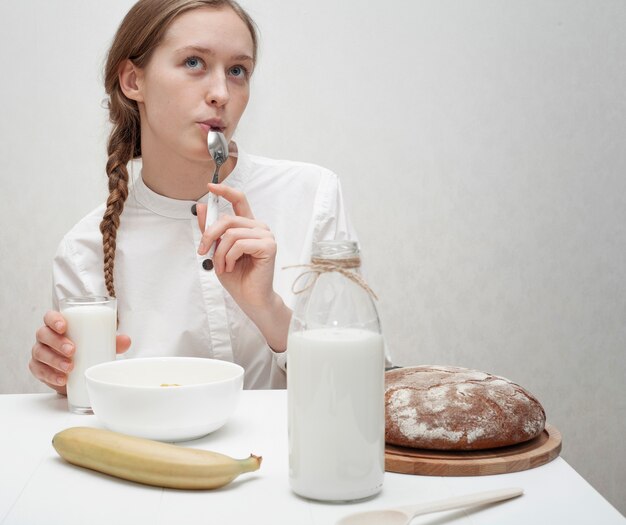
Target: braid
pixel 124 145
pixel 119 155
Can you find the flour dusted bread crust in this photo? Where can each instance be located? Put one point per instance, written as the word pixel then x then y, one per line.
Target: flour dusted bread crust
pixel 450 408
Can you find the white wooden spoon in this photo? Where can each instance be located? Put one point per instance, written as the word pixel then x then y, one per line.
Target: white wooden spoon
pixel 404 515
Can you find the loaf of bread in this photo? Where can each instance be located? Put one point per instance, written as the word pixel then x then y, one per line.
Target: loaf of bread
pixel 450 408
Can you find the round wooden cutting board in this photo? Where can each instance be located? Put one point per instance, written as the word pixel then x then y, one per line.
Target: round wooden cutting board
pixel 538 451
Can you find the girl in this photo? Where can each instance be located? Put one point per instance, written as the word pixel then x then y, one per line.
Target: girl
pixel 177 69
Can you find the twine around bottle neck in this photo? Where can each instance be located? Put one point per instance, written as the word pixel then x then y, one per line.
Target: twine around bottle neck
pixel 319 266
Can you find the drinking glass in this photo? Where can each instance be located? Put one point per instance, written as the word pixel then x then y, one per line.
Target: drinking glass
pixel 91 326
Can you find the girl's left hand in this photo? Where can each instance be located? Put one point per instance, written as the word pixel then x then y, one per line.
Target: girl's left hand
pixel 245 252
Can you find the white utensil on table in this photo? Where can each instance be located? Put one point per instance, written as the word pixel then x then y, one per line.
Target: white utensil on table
pixel 404 515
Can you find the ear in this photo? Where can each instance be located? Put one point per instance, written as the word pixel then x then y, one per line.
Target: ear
pixel 131 80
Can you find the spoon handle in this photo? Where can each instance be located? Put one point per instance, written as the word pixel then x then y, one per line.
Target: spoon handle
pixel 211 217
pixel 479 498
pixel 216 173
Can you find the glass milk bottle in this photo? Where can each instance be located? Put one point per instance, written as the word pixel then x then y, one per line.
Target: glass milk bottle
pixel 335 380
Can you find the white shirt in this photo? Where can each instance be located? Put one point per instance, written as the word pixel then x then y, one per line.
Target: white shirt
pixel 167 303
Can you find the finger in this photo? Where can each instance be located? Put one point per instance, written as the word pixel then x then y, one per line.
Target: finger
pixel 60 389
pixel 201 213
pixel 58 343
pixel 52 380
pixel 46 355
pixel 230 237
pixel 46 374
pixel 55 321
pixel 257 248
pixel 235 197
pixel 122 343
pixel 224 223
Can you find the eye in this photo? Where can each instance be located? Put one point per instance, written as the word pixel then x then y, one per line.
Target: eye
pixel 194 62
pixel 239 71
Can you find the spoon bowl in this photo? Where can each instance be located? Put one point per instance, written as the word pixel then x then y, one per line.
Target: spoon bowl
pixel 376 517
pixel 218 149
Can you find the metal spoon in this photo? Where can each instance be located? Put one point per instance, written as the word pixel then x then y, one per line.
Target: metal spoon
pixel 218 149
pixel 404 515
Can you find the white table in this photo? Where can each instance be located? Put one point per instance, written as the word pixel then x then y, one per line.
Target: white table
pixel 38 487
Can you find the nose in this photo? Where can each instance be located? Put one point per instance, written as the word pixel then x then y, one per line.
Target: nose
pixel 217 91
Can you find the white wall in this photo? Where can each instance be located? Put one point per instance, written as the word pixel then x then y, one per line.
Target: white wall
pixel 481 148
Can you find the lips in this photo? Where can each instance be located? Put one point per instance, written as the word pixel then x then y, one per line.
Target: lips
pixel 214 124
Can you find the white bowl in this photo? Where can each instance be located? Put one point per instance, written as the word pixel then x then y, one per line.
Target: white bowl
pixel 127 395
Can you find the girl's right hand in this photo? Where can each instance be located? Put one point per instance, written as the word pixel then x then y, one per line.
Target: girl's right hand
pixel 52 354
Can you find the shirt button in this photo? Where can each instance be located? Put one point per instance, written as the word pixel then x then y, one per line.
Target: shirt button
pixel 194 210
pixel 207 264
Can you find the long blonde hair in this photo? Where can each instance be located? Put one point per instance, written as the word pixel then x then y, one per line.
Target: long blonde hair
pixel 141 31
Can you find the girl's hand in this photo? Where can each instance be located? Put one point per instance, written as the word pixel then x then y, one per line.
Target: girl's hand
pixel 52 354
pixel 244 263
pixel 245 250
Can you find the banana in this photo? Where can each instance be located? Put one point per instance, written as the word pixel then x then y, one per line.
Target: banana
pixel 149 462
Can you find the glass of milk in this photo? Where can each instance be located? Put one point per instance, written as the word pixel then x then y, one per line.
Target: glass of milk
pixel 91 326
pixel 335 382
